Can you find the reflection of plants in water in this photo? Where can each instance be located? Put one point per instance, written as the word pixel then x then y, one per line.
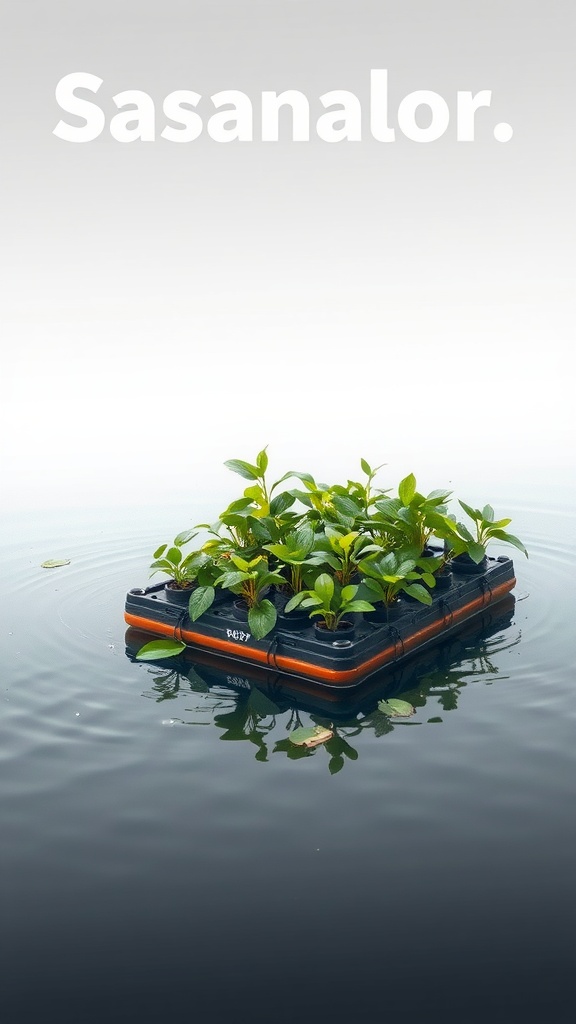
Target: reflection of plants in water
pixel 249 721
pixel 447 682
pixel 241 711
pixel 170 684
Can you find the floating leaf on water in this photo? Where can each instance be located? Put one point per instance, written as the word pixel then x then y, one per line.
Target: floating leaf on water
pixel 53 563
pixel 396 708
pixel 310 737
pixel 160 649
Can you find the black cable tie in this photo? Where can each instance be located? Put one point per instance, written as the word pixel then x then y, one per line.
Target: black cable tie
pixel 449 618
pixel 393 630
pixel 271 653
pixel 178 626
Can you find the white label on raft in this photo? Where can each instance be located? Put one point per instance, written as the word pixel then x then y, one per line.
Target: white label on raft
pixel 238 634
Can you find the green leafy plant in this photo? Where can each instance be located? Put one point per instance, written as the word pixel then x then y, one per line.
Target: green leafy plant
pixel 295 553
pixel 361 492
pixel 388 575
pixel 207 572
pixel 460 540
pixel 257 493
pixel 258 517
pixel 327 504
pixel 343 550
pixel 344 505
pixel 409 519
pixel 249 579
pixel 335 548
pixel 170 559
pixel 330 601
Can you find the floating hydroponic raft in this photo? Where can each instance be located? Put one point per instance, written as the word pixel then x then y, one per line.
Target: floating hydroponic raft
pixel 293 647
pixel 288 691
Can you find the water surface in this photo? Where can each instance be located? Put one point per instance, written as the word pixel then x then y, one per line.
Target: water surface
pixel 167 855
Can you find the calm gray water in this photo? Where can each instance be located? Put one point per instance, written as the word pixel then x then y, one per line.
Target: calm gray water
pixel 165 859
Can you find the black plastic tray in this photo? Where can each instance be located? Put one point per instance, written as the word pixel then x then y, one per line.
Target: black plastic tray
pixel 333 662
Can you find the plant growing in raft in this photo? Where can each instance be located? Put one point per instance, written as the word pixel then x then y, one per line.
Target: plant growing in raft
pixel 388 575
pixel 330 601
pixel 170 559
pixel 254 519
pixel 409 519
pixel 343 551
pixel 460 541
pixel 330 550
pixel 295 554
pixel 250 581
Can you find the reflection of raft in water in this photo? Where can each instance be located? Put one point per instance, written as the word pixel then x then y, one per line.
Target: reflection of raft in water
pixel 195 666
pixel 295 650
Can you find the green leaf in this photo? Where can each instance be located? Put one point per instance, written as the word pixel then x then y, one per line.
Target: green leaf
pixel 375 587
pixel 281 502
pixel 200 600
pixel 164 564
pixel 294 474
pixel 182 538
pixel 465 532
pixel 295 601
pixel 244 469
pixel 359 606
pixel 160 649
pixel 270 578
pixel 310 736
pixel 255 493
pixel 241 563
pixel 262 461
pixel 476 552
pixel 239 505
pixel 419 592
pixel 231 579
pixel 324 588
pixel 474 513
pixel 262 618
pixel 429 579
pixel 404 567
pixel 53 563
pixel 346 505
pixel 347 541
pixel 160 551
pixel 407 489
pixel 438 496
pixel 259 528
pixel 488 513
pixel 323 558
pixel 174 556
pixel 304 538
pixel 365 467
pixel 396 708
pixel 509 538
